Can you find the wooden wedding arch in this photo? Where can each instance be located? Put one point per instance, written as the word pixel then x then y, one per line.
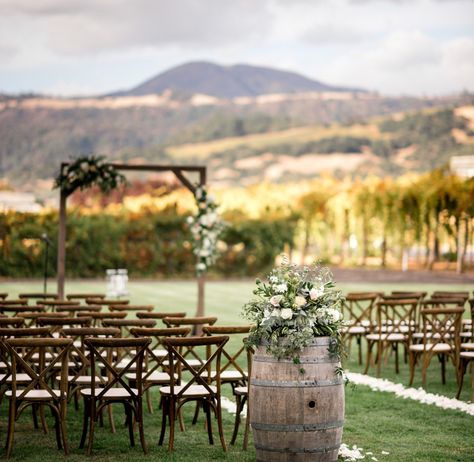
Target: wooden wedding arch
pixel 179 171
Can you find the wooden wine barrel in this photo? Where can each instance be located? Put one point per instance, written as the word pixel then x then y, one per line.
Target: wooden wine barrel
pixel 295 415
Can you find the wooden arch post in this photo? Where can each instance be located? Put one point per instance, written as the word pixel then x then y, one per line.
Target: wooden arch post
pixel 180 173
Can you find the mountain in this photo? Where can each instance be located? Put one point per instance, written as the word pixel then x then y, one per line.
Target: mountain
pixel 229 81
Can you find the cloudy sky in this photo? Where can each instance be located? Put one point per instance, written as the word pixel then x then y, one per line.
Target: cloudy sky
pixel 78 47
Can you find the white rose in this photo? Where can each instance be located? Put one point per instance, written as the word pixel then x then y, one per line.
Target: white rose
pixel 286 313
pixel 84 166
pixel 275 300
pixel 300 300
pixel 273 279
pixel 281 288
pixel 314 293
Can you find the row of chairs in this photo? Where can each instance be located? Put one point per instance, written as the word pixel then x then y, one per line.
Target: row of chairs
pixel 133 358
pixel 425 327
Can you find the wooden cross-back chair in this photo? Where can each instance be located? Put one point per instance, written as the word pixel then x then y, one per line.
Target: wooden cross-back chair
pixel 58 323
pixel 196 323
pixel 466 355
pixel 441 329
pixel 11 322
pixel 51 305
pixel 73 310
pixel 160 315
pixel 13 301
pixel 106 302
pixel 80 374
pixel 99 316
pixel 15 310
pixel 129 308
pixel 116 388
pixel 155 372
pixel 464 294
pixel 198 386
pixel 395 325
pixel 358 310
pixel 38 296
pixel 234 373
pixel 31 317
pixel 85 296
pixel 38 390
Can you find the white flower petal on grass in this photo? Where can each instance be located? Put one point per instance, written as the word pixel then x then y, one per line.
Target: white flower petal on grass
pixel 350 455
pixel 415 394
pixel 385 453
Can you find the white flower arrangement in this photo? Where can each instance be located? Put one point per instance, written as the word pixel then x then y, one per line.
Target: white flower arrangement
pixel 205 226
pixel 87 171
pixel 293 306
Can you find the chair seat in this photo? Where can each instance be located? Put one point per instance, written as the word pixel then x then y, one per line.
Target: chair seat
pixel 40 395
pixel 113 393
pixel 386 337
pixel 227 375
pixel 20 378
pixel 241 391
pixel 466 334
pixel 467 354
pixel 467 346
pixel 356 330
pixel 155 377
pixel 82 379
pixel 437 347
pixel 194 391
pixel 160 353
pixel 194 363
pixel 122 364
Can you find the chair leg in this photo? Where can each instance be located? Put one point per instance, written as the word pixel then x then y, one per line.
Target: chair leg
pixel 85 423
pixel 92 419
pixel 111 418
pixel 207 410
pixel 370 346
pixel 164 415
pixel 57 429
pixel 148 400
pixel 141 430
pixel 238 402
pixel 412 362
pixel 359 344
pixel 196 412
pixel 379 357
pixel 43 419
pixel 34 410
pixel 129 421
pixel 397 366
pixel 172 417
pixel 62 423
pixel 443 368
pixel 11 426
pixel 461 372
pixel 247 425
pixel 219 424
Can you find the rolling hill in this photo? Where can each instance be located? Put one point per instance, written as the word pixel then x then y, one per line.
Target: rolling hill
pixel 229 81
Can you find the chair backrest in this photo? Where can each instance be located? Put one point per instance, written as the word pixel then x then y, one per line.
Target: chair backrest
pixel 126 324
pixel 17 309
pixel 154 360
pixel 13 301
pixel 52 304
pixel 358 307
pixel 38 296
pixel 57 323
pixel 232 353
pixel 79 354
pixel 75 309
pixel 31 317
pixel 85 296
pixel 443 303
pixel 397 316
pixel 179 364
pixel 131 307
pixel 116 375
pixel 160 315
pixel 99 316
pixel 11 322
pixel 22 350
pixel 464 294
pixel 190 321
pixel 442 325
pixel 106 302
pixel 408 294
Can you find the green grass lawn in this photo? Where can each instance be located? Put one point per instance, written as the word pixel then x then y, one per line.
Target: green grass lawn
pixel 375 421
